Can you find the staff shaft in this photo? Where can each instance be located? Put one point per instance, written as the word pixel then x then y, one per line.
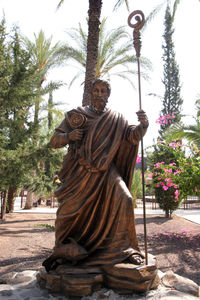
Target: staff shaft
pixel 142 161
pixel 139 83
pixel 143 197
pixel 137 45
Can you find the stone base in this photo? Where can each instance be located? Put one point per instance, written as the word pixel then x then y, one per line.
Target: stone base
pixel 123 278
pixel 71 281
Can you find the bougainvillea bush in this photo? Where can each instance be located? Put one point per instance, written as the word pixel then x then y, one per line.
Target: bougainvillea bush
pixel 174 175
pixel 164 172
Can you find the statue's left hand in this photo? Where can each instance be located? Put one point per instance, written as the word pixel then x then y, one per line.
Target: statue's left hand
pixel 142 118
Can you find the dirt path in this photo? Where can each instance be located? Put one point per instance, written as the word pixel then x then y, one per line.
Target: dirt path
pixel 175 242
pixel 23 244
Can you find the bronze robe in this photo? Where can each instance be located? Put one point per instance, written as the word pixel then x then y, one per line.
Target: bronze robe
pixel 96 207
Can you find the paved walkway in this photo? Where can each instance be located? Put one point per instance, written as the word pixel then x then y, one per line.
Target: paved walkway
pixel 192 215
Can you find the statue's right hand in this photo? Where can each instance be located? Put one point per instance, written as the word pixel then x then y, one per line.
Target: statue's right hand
pixel 76 135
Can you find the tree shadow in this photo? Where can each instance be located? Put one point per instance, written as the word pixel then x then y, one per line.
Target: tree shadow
pixel 154 219
pixel 19 264
pixel 19 233
pixel 5 222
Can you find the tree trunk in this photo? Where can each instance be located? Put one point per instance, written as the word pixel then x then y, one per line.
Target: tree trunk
pixel 94 14
pixel 30 198
pixel 11 198
pixel 50 107
pixel 36 113
pixel 3 204
pixel 167 214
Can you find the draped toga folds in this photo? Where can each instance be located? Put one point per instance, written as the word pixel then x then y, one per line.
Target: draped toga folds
pixel 95 204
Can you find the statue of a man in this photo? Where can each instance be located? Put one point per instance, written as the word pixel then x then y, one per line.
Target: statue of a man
pixel 95 219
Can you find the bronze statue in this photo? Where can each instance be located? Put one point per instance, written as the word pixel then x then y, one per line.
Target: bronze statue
pixel 95 218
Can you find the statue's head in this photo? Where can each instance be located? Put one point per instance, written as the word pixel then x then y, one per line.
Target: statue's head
pixel 100 90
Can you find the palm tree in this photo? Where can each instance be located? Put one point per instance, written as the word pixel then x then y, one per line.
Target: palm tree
pixel 43 56
pixel 94 14
pixel 115 54
pixel 189 132
pixel 114 58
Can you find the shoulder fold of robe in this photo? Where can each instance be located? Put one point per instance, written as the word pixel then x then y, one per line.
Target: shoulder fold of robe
pixel 104 142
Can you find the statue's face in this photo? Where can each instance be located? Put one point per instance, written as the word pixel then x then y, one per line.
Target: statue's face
pixel 99 96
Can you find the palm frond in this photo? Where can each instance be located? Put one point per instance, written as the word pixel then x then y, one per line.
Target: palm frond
pixel 178 131
pixel 115 49
pixel 153 14
pixel 119 3
pixel 124 76
pixel 41 50
pixel 78 36
pixel 80 73
pixel 70 53
pixel 60 4
pixel 51 86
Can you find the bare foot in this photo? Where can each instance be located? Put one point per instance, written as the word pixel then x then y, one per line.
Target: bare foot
pixel 136 259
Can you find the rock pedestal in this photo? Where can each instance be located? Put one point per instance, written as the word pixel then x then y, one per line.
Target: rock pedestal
pixel 123 278
pixel 71 281
pixel 128 278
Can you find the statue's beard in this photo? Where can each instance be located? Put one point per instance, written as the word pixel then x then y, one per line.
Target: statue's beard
pixel 99 104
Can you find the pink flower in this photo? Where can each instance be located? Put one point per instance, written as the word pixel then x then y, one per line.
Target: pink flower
pixel 168 170
pixel 55 176
pixel 167 179
pixel 195 190
pixel 165 119
pixel 156 165
pixel 157 185
pixel 138 159
pixel 176 193
pixel 173 145
pixel 165 188
pixel 173 115
pixel 176 172
pixel 176 186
